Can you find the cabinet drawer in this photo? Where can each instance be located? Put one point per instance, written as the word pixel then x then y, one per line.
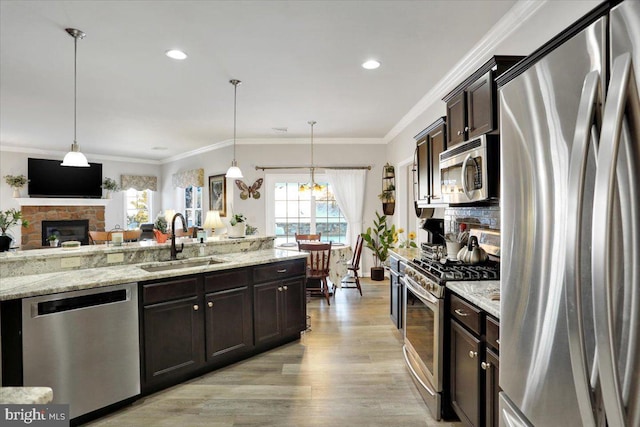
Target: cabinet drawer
pixel 465 313
pixel 227 280
pixel 493 332
pixel 278 270
pixel 169 290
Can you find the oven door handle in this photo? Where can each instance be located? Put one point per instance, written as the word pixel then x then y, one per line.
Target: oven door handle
pixel 414 373
pixel 424 295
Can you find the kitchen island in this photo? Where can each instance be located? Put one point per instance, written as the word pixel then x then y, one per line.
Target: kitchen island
pixel 131 328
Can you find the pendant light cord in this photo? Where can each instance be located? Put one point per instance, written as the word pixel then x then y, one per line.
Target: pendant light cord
pixel 235 84
pixel 313 170
pixel 75 90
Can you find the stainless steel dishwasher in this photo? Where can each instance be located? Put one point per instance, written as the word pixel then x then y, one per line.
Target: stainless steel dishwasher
pixel 84 345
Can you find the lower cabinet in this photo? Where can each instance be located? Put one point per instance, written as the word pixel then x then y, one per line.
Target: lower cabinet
pixel 173 330
pixel 196 323
pixel 280 310
pixel 396 295
pixel 474 364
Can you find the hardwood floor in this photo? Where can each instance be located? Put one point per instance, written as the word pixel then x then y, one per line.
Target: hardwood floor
pixel 348 370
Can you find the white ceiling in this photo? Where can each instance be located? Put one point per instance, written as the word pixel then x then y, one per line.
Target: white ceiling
pixel 298 60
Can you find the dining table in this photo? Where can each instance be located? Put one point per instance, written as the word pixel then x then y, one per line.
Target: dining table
pixel 341 255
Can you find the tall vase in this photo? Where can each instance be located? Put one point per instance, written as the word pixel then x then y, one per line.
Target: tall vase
pixel 16 193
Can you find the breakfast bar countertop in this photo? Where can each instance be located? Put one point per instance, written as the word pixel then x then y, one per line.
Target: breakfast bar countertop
pixel 87 278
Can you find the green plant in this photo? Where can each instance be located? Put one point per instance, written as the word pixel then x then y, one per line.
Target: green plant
pixel 17 181
pixel 160 223
pixel 387 195
pixel 237 218
pixel 251 230
pixel 110 184
pixel 9 218
pixel 52 238
pixel 379 239
pixel 409 242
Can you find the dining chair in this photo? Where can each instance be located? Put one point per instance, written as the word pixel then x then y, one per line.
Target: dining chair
pixel 99 237
pixel 308 237
pixel 318 264
pixel 132 235
pixel 352 281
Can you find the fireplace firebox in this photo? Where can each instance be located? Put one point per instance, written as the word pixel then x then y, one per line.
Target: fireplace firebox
pixel 77 229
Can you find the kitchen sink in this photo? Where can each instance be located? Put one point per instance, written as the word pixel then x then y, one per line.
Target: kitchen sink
pixel 180 264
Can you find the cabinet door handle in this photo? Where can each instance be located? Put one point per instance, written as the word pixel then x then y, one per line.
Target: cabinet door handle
pixel 279 288
pixel 210 303
pixel 466 128
pixel 460 313
pixel 459 132
pixel 473 354
pixel 485 365
pixel 498 342
pixel 285 288
pixel 284 270
pixel 195 307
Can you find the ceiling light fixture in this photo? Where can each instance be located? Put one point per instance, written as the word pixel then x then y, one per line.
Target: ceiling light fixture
pixel 371 64
pixel 314 187
pixel 176 54
pixel 234 171
pixel 74 157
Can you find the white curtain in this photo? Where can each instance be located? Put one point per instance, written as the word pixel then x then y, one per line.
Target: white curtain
pixel 348 187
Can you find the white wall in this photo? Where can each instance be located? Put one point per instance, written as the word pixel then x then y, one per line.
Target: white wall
pixel 526 36
pixel 13 163
pixel 283 154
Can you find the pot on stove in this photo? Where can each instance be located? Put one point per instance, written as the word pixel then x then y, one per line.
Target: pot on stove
pixel 472 253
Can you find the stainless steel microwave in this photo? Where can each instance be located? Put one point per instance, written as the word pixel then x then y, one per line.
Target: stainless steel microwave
pixel 470 171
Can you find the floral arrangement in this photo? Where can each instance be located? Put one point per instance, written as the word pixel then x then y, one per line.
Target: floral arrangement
pixel 9 218
pixel 110 184
pixel 409 242
pixel 251 230
pixel 160 223
pixel 17 181
pixel 237 218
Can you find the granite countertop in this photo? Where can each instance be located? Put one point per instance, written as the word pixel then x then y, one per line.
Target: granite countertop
pixel 25 395
pixel 406 254
pixel 479 293
pixel 73 280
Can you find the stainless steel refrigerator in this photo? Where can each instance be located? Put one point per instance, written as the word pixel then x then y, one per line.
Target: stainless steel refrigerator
pixel 570 200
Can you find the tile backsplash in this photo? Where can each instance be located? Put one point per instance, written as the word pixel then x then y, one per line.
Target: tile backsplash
pixel 485 217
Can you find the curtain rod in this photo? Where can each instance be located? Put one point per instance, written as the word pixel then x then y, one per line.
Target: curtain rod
pixel 312 167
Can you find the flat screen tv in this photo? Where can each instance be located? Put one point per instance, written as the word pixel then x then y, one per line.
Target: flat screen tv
pixel 47 178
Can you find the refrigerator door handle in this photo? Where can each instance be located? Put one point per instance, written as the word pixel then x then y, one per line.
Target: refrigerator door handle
pixel 622 95
pixel 584 135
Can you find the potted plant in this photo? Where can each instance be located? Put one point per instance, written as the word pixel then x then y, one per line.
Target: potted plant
pixel 238 225
pixel 379 239
pixel 53 240
pixel 389 171
pixel 388 199
pixel 16 182
pixel 109 185
pixel 8 219
pixel 160 228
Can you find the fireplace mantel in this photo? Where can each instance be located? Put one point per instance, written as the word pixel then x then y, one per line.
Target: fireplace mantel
pixel 46 201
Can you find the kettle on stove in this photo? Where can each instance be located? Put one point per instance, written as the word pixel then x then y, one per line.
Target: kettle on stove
pixel 472 253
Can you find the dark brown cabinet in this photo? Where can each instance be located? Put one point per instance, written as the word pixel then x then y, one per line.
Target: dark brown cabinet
pixel 279 305
pixel 430 143
pixel 172 319
pixel 228 314
pixel 396 289
pixel 474 364
pixel 472 107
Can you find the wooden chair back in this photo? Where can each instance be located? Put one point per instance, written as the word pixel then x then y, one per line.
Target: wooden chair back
pixel 357 251
pixel 99 237
pixel 318 260
pixel 308 237
pixel 132 235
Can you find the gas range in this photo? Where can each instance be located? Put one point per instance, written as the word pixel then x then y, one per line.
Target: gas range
pixel 432 275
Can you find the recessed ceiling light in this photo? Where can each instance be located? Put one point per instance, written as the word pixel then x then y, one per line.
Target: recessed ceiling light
pixel 176 54
pixel 371 64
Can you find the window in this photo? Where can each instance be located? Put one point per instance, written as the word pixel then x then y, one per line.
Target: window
pixel 137 208
pixel 294 211
pixel 193 206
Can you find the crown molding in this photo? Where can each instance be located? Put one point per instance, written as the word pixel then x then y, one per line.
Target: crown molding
pixel 60 155
pixel 478 55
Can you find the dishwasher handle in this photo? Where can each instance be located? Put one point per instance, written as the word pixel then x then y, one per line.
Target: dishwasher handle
pixel 79 302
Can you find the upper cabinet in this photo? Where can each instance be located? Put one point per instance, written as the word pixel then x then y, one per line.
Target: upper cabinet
pixel 472 107
pixel 430 143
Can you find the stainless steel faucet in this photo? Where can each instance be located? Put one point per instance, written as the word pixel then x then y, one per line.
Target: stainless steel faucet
pixel 175 251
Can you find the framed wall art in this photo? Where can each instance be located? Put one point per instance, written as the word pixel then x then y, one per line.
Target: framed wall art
pixel 218 194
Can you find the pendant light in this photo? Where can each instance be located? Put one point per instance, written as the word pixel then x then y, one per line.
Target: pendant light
pixel 315 188
pixel 234 171
pixel 74 157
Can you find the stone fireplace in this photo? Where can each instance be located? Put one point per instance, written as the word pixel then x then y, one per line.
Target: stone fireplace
pixel 32 236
